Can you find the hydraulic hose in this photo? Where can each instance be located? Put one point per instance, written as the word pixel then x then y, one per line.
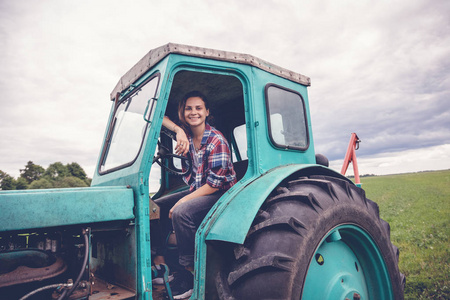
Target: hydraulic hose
pixel 52 286
pixel 67 292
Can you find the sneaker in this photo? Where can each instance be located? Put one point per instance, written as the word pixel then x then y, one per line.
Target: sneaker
pixel 158 278
pixel 183 284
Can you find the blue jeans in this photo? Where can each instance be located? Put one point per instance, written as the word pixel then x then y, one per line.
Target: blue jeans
pixel 186 219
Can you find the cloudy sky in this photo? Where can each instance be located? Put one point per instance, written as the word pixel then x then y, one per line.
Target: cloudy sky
pixel 378 68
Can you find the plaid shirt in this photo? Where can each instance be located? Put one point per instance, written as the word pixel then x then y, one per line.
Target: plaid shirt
pixel 214 162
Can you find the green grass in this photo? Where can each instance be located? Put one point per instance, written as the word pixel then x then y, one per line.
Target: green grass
pixel 417 206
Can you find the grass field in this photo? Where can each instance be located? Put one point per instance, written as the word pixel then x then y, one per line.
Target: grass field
pixel 417 206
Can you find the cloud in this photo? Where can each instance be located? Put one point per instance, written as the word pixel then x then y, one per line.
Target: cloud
pixel 391 85
pixel 378 68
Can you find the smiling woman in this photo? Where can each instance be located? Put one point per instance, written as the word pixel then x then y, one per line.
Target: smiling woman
pixel 195 110
pixel 212 175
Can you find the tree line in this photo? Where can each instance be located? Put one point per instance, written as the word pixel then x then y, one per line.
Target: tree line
pixel 57 175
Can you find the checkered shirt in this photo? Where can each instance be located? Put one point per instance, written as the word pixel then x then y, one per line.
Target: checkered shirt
pixel 214 162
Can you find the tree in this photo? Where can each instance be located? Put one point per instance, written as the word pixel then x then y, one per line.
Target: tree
pixel 21 183
pixel 31 172
pixel 56 175
pixel 76 170
pixel 56 170
pixel 2 175
pixel 40 184
pixel 7 182
pixel 70 181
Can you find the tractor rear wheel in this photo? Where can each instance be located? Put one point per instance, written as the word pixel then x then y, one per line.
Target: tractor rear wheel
pixel 315 237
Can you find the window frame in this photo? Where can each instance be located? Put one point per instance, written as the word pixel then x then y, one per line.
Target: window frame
pixel 269 127
pixel 106 145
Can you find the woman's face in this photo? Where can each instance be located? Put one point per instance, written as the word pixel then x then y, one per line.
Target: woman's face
pixel 195 112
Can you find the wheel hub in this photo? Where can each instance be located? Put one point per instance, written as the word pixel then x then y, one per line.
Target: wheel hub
pixel 336 271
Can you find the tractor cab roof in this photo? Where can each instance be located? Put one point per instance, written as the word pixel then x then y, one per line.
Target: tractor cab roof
pixel 156 55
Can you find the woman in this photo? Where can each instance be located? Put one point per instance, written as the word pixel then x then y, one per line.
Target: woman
pixel 212 174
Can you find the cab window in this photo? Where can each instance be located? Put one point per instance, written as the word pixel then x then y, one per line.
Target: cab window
pixel 128 127
pixel 240 146
pixel 286 118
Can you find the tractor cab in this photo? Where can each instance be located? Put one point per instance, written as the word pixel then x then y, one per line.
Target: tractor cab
pixel 279 123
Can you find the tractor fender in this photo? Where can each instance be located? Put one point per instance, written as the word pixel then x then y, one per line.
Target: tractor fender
pixel 233 216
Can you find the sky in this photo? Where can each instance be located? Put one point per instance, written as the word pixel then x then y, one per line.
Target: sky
pixel 378 68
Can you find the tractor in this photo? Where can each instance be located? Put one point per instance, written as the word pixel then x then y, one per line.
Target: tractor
pixel 290 228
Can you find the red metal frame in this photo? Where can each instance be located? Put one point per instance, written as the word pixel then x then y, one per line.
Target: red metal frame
pixel 350 157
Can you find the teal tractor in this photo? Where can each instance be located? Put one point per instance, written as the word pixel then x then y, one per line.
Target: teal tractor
pixel 291 228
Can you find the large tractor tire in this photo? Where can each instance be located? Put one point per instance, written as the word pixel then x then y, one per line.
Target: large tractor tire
pixel 315 237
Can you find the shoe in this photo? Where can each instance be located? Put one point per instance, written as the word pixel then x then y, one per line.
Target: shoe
pixel 158 275
pixel 183 284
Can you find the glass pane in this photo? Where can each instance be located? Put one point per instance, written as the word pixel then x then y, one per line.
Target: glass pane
pixel 129 126
pixel 176 161
pixel 276 123
pixel 240 136
pixel 154 180
pixel 287 118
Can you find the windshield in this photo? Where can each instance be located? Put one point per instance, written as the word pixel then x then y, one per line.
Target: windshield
pixel 128 126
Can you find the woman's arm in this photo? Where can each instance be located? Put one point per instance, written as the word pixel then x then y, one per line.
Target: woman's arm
pixel 182 140
pixel 204 190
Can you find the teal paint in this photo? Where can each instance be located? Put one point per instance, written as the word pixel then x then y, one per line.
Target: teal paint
pixel 267 155
pixel 344 266
pixel 29 209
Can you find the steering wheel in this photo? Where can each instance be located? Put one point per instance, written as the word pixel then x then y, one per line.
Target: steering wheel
pixel 164 154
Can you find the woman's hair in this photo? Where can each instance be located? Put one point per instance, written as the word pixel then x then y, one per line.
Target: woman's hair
pixel 182 105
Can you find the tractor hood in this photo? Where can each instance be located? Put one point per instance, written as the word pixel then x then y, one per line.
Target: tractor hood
pixel 57 207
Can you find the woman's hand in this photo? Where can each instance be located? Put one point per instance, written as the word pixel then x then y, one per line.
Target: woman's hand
pixel 182 141
pixel 182 146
